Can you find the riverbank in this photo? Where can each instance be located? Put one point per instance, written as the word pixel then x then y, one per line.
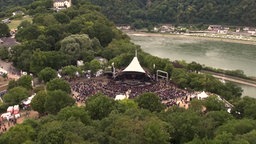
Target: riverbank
pixel 210 52
pixel 193 36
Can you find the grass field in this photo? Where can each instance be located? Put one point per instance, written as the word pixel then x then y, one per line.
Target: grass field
pixel 16 22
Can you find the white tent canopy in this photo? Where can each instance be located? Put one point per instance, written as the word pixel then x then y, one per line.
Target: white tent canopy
pixel 134 66
pixel 202 95
pixel 28 100
pixel 2 71
pixel 120 97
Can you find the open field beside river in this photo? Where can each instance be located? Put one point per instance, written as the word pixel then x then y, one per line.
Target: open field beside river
pixel 250 40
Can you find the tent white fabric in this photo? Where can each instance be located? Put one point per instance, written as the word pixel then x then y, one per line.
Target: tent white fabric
pixel 202 95
pixel 10 109
pixel 134 66
pixel 28 100
pixel 120 97
pixel 2 71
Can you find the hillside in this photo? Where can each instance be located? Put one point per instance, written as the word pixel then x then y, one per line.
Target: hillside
pixel 147 12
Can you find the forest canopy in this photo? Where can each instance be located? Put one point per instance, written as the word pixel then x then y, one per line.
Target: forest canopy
pixel 235 12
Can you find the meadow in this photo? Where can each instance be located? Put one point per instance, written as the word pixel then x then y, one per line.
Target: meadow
pixel 16 22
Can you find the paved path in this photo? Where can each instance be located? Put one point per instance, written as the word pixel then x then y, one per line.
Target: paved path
pixel 235 80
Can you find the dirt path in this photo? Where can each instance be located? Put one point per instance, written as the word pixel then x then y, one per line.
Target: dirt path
pixel 12 71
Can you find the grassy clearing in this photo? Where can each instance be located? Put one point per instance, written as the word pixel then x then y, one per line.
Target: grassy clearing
pixel 16 22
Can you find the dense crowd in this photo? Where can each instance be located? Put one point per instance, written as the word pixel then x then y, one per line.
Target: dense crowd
pixel 167 91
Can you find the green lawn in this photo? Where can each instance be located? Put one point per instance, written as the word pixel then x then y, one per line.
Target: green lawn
pixel 15 23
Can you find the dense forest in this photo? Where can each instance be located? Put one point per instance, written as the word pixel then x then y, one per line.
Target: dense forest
pixel 144 13
pixel 56 40
pixel 148 12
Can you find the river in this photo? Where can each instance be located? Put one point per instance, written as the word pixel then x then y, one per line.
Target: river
pixel 217 54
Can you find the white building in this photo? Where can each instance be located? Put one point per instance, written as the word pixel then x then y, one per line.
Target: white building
pixel 61 4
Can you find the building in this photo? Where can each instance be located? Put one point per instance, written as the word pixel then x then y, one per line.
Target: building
pixel 214 27
pixel 59 4
pixel 18 13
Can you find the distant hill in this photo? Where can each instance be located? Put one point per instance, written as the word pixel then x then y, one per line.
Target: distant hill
pixel 12 3
pixel 9 6
pixel 145 12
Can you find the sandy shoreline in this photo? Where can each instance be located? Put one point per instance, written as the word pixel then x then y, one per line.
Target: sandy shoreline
pixel 144 34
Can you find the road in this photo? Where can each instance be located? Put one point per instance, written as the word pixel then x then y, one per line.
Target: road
pixel 235 80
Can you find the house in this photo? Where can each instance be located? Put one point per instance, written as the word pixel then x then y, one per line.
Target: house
pixel 18 13
pixel 166 28
pixel 58 4
pixel 214 27
pixel 246 28
pixel 237 30
pixel 252 31
pixel 222 31
pixel 124 27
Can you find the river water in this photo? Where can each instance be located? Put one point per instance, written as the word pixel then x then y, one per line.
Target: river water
pixel 217 54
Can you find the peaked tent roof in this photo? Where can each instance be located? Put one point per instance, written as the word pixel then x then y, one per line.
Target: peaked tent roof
pixel 134 66
pixel 202 95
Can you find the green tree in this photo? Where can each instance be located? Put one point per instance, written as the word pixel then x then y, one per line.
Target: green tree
pixel 74 112
pixel 126 104
pixel 219 117
pixel 11 84
pixel 250 137
pixel 18 134
pixel 74 45
pixel 15 95
pixel 212 103
pixel 196 105
pixel 24 24
pixel 45 20
pixel 38 102
pixel 195 67
pixel 71 71
pixel 61 17
pixel 41 59
pixel 236 127
pixel 4 30
pixel 180 77
pixel 58 84
pixel 103 32
pixel 47 74
pixel 155 131
pixel 244 107
pixel 56 100
pixel 150 101
pixel 183 124
pixel 25 81
pixel 28 33
pixel 51 132
pixel 99 106
pixel 4 53
pixel 78 132
pixel 95 65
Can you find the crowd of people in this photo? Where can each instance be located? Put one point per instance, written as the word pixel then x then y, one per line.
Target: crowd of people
pixel 167 91
pixel 5 124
